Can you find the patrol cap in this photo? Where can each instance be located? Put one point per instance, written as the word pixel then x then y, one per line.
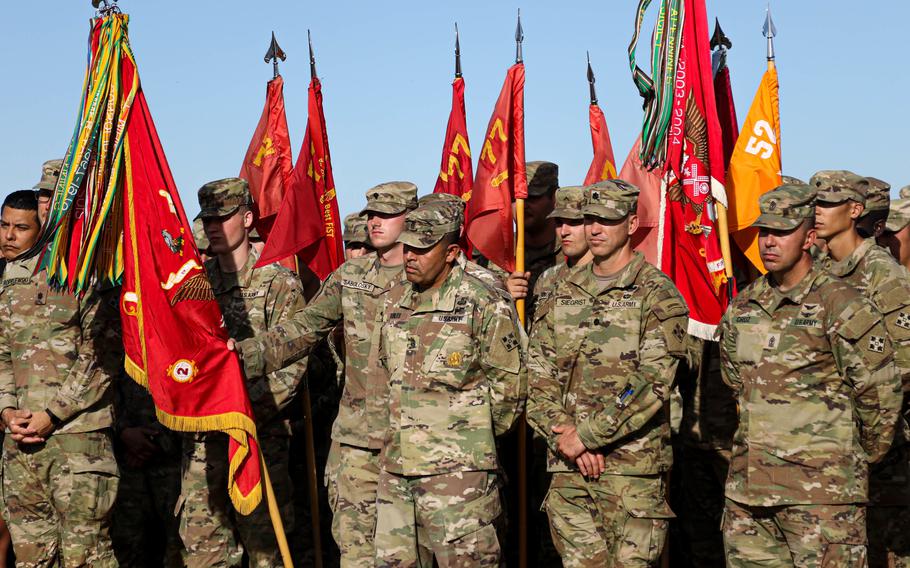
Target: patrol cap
pixel 790 180
pixel 223 197
pixel 898 215
pixel 905 192
pixel 543 177
pixel 50 173
pixel 611 199
pixel 393 197
pixel 838 186
pixel 785 207
pixel 878 196
pixel 446 198
pixel 355 229
pixel 202 241
pixel 569 202
pixel 429 223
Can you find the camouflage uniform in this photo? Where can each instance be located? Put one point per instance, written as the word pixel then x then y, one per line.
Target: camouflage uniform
pixel 352 295
pixel 819 399
pixel 456 381
pixel 603 357
pixel 57 496
pixel 252 302
pixel 569 202
pixel 874 273
pixel 355 229
pixel 144 529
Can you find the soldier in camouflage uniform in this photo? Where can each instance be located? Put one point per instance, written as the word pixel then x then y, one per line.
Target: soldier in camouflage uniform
pixel 872 271
pixel 144 529
pixel 819 400
pixel 355 237
pixel 58 356
pixel 570 231
pixel 50 172
pixel 252 301
pixel 871 223
pixel 604 349
pixel 452 347
pixel 352 295
pixel 896 236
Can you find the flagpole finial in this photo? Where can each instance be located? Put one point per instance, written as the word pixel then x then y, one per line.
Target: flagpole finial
pixel 105 7
pixel 770 32
pixel 591 81
pixel 274 54
pixel 309 40
pixel 519 37
pixel 457 54
pixel 720 39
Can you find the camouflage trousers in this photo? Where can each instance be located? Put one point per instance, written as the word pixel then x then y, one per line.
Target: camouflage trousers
pixel 352 478
pixel 617 520
pixel 703 474
pixel 57 500
pixel 803 536
pixel 144 528
pixel 211 531
pixel 450 517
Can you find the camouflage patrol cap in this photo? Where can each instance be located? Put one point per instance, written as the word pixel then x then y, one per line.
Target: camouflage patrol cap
pixel 905 192
pixel 446 198
pixel 355 229
pixel 50 173
pixel 569 202
pixel 790 180
pixel 611 199
pixel 838 186
pixel 898 215
pixel 202 241
pixel 428 224
pixel 785 207
pixel 223 197
pixel 393 197
pixel 543 177
pixel 878 196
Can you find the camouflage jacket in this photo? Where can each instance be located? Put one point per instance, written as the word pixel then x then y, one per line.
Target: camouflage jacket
pixel 456 378
pixel 818 394
pixel 352 294
pixel 58 352
pixel 255 301
pixel 604 360
pixel 874 273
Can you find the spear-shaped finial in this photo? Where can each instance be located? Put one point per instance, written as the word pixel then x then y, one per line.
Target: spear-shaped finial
pixel 720 43
pixel 309 40
pixel 519 37
pixel 457 54
pixel 591 81
pixel 105 7
pixel 274 54
pixel 769 31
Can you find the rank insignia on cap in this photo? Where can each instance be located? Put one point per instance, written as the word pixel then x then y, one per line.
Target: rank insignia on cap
pixel 876 343
pixel 595 195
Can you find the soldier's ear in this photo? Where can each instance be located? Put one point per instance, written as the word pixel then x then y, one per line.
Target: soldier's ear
pixel 247 219
pixel 810 239
pixel 452 252
pixel 633 223
pixel 856 210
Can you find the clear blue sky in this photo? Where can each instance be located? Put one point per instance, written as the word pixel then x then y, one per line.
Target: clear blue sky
pixel 387 68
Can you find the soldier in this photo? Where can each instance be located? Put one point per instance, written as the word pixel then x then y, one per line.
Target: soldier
pixel 352 295
pixel 896 236
pixel 355 238
pixel 144 530
pixel 452 347
pixel 253 301
pixel 874 273
pixel 570 230
pixel 604 349
pixel 57 359
pixel 818 398
pixel 50 173
pixel 871 222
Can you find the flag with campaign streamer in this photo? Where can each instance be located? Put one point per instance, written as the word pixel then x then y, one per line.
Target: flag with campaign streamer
pixel 117 218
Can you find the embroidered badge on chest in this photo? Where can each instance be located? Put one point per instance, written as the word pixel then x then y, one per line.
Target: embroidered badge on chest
pixel 358 285
pixel 772 341
pixel 876 344
pixel 454 359
pixel 450 318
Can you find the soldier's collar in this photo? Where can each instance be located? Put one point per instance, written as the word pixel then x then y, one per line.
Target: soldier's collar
pixel 586 280
pixel 441 299
pixel 849 264
pixel 223 281
pixel 770 297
